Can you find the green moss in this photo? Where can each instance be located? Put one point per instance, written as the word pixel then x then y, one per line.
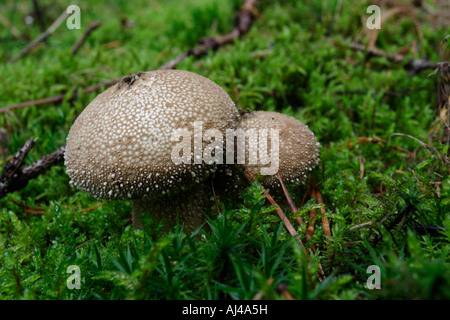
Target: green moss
pixel 285 63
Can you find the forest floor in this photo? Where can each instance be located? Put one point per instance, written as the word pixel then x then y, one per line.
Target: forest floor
pixel 376 99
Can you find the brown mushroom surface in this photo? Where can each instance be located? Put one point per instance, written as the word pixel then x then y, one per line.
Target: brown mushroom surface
pixel 298 149
pixel 120 145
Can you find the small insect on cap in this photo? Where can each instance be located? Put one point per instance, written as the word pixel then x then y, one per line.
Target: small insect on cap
pixel 120 145
pixel 298 149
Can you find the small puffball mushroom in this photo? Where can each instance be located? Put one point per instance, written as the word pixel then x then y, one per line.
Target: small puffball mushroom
pixel 298 149
pixel 120 146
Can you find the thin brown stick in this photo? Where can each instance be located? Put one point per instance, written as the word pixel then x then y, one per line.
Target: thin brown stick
pixel 288 197
pixel 378 140
pixel 215 197
pixel 175 61
pixel 310 230
pixel 42 36
pixel 427 146
pixel 245 18
pixel 370 51
pixel 27 209
pixel 83 243
pixel 7 24
pixel 289 200
pixel 280 213
pixel 362 225
pixel 17 278
pixel 30 103
pixel 92 26
pixel 95 206
pixel 58 98
pixel 415 65
pixel 287 224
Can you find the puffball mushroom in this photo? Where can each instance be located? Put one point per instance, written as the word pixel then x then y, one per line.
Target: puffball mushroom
pixel 298 149
pixel 120 146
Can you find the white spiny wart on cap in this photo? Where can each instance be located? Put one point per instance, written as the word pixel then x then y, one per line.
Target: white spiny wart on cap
pixel 120 145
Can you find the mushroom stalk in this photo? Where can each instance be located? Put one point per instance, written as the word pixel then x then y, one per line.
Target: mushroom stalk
pixel 188 208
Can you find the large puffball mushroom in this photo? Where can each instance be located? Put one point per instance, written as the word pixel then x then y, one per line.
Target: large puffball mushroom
pixel 121 145
pixel 291 149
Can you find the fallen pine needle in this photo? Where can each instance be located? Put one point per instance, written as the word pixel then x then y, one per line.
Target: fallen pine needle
pixel 93 207
pixel 27 209
pixel 288 197
pixel 286 222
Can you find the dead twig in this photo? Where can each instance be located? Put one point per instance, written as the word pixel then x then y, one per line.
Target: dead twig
pixel 414 65
pixel 281 214
pixel 377 140
pixel 94 25
pixel 288 225
pixel 175 61
pixel 42 36
pixel 371 51
pixel 425 145
pixel 7 24
pixel 27 209
pixel 15 178
pixel 91 208
pixel 213 189
pixel 11 169
pixel 245 17
pixel 288 198
pixel 83 243
pixel 17 278
pixel 362 225
pixel 310 230
pixel 58 98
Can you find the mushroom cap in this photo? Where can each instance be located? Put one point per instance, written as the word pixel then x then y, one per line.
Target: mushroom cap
pixel 120 145
pixel 298 147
